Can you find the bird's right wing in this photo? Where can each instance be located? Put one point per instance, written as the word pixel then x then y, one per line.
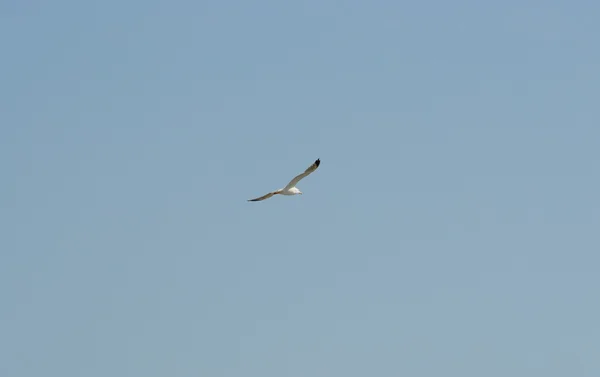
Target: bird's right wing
pixel 297 178
pixel 267 196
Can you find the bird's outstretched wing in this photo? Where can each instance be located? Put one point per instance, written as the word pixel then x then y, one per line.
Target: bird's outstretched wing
pixel 297 178
pixel 267 196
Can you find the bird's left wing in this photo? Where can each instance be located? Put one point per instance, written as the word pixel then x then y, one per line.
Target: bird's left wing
pixel 297 178
pixel 267 196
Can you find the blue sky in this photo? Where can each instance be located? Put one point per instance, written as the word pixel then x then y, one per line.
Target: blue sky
pixel 451 229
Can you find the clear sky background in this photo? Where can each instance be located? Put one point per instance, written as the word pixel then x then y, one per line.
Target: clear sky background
pixel 452 228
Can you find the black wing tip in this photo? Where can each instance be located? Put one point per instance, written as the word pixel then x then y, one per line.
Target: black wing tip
pixel 318 162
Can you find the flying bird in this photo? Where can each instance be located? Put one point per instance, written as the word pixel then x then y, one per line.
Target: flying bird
pixel 290 189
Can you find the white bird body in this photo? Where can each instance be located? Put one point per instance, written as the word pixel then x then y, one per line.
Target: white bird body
pixel 291 188
pixel 292 191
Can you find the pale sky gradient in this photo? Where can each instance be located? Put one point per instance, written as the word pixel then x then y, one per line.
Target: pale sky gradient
pixel 452 228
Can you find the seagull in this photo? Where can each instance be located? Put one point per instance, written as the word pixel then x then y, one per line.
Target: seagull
pixel 290 189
